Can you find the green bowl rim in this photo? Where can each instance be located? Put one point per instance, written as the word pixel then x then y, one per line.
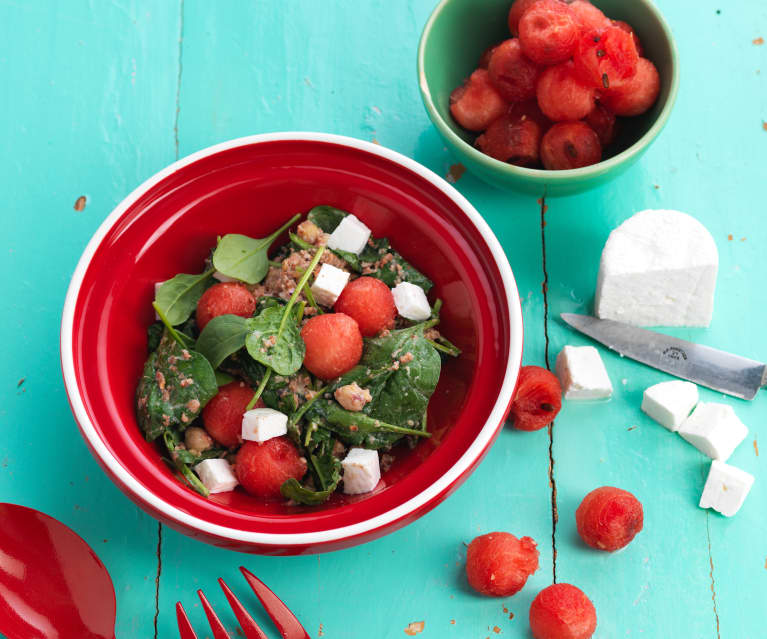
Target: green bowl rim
pixel 543 175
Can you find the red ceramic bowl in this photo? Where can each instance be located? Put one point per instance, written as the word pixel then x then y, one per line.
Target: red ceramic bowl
pixel 251 186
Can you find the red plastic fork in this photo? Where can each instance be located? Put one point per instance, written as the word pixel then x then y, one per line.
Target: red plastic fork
pixel 285 621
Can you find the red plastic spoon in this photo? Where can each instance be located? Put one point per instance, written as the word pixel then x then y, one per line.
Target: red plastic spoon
pixel 52 585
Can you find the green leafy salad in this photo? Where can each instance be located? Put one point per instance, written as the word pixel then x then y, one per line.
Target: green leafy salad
pixel 292 372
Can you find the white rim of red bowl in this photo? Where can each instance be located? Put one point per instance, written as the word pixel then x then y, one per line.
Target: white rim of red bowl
pixel 391 516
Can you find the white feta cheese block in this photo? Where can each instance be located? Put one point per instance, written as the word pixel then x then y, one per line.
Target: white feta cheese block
pixel 670 403
pixel 350 235
pixel 658 268
pixel 260 424
pixel 223 278
pixel 328 284
pixel 411 301
pixel 361 471
pixel 582 373
pixel 216 475
pixel 714 430
pixel 726 488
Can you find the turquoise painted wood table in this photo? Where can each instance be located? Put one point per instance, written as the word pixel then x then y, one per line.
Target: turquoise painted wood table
pixel 98 95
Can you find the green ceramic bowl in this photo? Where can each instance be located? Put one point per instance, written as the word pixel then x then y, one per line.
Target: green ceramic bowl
pixel 455 36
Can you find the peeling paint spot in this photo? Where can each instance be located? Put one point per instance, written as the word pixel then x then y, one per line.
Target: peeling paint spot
pixel 455 173
pixel 756 447
pixel 20 382
pixel 80 203
pixel 729 237
pixel 496 630
pixel 758 41
pixel 414 628
pixel 764 125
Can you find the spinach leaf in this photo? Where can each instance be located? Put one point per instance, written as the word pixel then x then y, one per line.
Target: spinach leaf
pixel 326 217
pixel 326 471
pixel 154 335
pixel 175 386
pixel 395 269
pixel 222 379
pixel 177 298
pixel 222 336
pixel 274 342
pixel 242 365
pixel 186 457
pixel 178 335
pixel 267 301
pixel 245 258
pixel 171 439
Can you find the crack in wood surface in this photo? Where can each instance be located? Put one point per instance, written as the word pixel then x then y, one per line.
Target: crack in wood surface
pixel 711 574
pixel 552 479
pixel 157 578
pixel 178 76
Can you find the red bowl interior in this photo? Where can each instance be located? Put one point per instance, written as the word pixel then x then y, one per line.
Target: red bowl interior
pixel 253 189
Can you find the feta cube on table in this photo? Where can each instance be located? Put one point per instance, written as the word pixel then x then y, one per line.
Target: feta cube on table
pixel 670 403
pixel 714 430
pixel 350 235
pixel 328 284
pixel 411 301
pixel 260 424
pixel 216 475
pixel 582 373
pixel 726 488
pixel 361 471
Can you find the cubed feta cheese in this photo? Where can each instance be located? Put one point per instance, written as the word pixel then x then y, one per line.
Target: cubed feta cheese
pixel 361 471
pixel 223 278
pixel 411 301
pixel 328 284
pixel 658 268
pixel 670 403
pixel 260 424
pixel 726 488
pixel 216 475
pixel 350 235
pixel 714 430
pixel 582 373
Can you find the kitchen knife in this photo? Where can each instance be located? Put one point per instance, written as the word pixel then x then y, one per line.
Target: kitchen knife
pixel 703 365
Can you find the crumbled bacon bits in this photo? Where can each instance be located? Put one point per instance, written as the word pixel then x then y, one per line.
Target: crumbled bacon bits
pixel 414 628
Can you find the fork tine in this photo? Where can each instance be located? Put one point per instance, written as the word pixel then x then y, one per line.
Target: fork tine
pixel 286 621
pixel 219 632
pixel 184 627
pixel 249 627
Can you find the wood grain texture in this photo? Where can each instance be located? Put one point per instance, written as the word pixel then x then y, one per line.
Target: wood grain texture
pixel 103 94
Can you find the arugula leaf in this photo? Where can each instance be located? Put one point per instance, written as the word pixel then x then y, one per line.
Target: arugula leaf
pixel 326 217
pixel 275 343
pixel 177 298
pixel 222 336
pixel 396 269
pixel 175 386
pixel 245 258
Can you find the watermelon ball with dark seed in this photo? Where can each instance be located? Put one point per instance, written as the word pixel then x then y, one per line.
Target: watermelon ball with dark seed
pixel 562 611
pixel 512 138
pixel 538 399
pixel 498 564
pixel 635 95
pixel 570 145
pixel 262 468
pixel 225 298
pixel 609 518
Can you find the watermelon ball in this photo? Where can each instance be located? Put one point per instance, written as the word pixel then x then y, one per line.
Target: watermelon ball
pixel 570 145
pixel 562 611
pixel 498 564
pixel 516 12
pixel 629 29
pixel 477 103
pixel 222 415
pixel 562 95
pixel 512 138
pixel 588 17
pixel 606 58
pixel 262 468
pixel 225 298
pixel 634 95
pixel 603 122
pixel 538 399
pixel 333 345
pixel 484 59
pixel 370 303
pixel 512 74
pixel 548 32
pixel 609 518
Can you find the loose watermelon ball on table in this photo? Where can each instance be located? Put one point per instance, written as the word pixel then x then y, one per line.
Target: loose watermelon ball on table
pixel 538 399
pixel 609 518
pixel 562 611
pixel 498 564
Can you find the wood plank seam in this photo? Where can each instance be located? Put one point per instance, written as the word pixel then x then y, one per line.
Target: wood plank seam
pixel 711 573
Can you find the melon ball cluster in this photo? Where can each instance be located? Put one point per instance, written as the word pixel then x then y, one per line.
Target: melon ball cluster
pixel 549 95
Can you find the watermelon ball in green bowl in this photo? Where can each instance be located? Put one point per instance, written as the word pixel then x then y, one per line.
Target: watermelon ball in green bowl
pixel 457 46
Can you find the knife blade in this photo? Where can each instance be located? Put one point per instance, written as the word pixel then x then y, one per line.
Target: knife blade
pixel 715 369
